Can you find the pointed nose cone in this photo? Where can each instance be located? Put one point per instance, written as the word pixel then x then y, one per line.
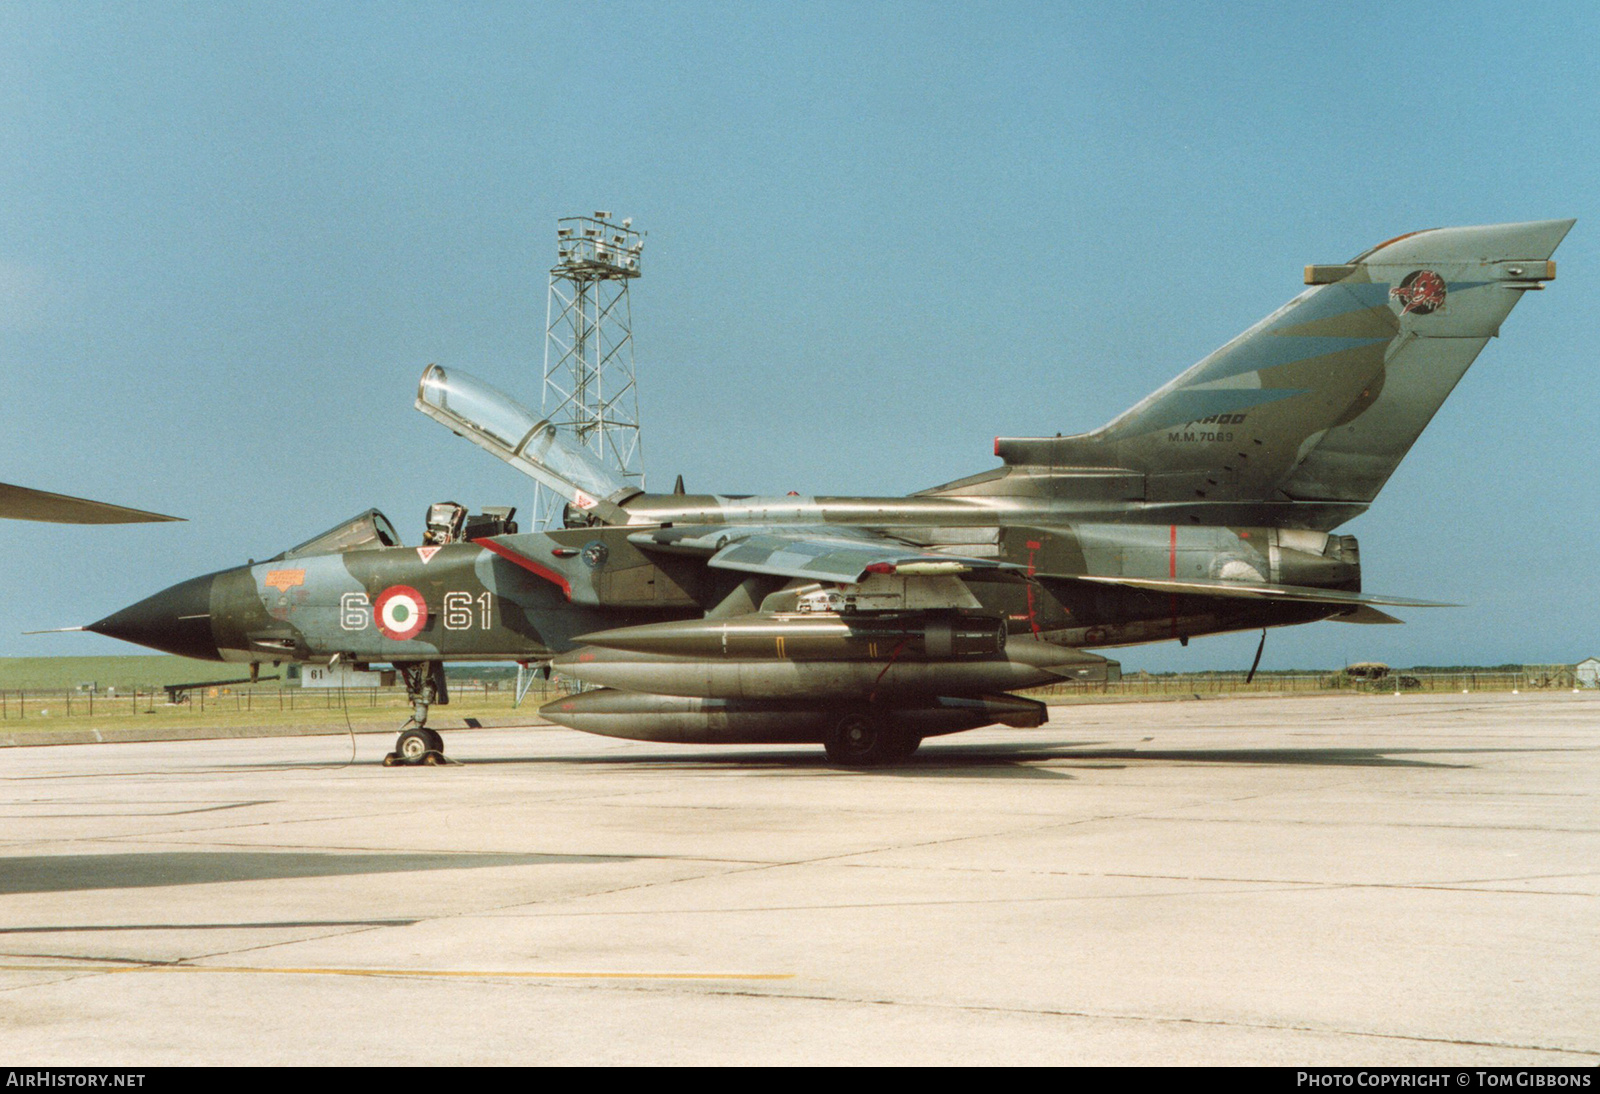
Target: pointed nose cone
pixel 175 620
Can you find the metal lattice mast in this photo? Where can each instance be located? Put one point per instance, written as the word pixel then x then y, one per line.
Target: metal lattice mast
pixel 590 388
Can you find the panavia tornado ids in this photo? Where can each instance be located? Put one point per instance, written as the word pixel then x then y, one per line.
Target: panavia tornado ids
pixel 868 623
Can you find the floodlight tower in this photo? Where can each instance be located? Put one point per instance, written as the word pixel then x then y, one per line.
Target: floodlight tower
pixel 590 388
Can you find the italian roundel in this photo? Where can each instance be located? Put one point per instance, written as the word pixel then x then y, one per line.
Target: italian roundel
pixel 401 612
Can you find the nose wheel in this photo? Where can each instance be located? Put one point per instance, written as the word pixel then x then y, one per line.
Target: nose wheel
pixel 417 744
pixel 416 747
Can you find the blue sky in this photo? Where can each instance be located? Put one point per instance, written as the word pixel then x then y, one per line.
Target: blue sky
pixel 232 236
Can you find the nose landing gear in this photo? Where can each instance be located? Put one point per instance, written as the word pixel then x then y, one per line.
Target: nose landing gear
pixel 417 744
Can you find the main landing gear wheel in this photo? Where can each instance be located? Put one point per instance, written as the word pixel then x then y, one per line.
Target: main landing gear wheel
pixel 903 745
pixel 861 739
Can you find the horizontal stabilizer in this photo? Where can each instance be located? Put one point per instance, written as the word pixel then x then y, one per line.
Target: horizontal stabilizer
pixel 1240 590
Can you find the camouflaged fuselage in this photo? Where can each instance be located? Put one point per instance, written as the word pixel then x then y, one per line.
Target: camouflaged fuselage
pixel 526 597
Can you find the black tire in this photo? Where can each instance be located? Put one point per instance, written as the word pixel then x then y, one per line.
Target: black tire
pixel 904 744
pixel 413 745
pixel 860 738
pixel 435 742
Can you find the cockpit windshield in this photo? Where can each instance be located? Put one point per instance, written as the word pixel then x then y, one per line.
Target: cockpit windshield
pixel 496 422
pixel 359 533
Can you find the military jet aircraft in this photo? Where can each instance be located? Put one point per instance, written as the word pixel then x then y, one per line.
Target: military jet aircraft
pixel 868 623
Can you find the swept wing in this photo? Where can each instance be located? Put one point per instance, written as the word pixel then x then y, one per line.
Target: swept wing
pixel 25 503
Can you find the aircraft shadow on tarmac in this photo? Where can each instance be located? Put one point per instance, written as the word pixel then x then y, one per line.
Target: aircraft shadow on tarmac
pixel 1025 760
pixel 151 869
pixel 1005 763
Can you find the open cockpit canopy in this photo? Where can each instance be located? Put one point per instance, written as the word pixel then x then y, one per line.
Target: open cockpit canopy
pixel 500 425
pixel 360 533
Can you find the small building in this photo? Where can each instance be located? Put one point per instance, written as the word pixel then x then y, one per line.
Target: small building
pixel 1587 673
pixel 343 676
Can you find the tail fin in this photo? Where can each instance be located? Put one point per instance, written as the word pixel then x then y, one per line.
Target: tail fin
pixel 1321 400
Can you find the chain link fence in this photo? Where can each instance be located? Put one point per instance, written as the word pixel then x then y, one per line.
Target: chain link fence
pixel 288 702
pixel 268 701
pixel 1421 681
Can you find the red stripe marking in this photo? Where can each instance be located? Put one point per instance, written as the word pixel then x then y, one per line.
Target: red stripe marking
pixel 872 697
pixel 527 564
pixel 1033 616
